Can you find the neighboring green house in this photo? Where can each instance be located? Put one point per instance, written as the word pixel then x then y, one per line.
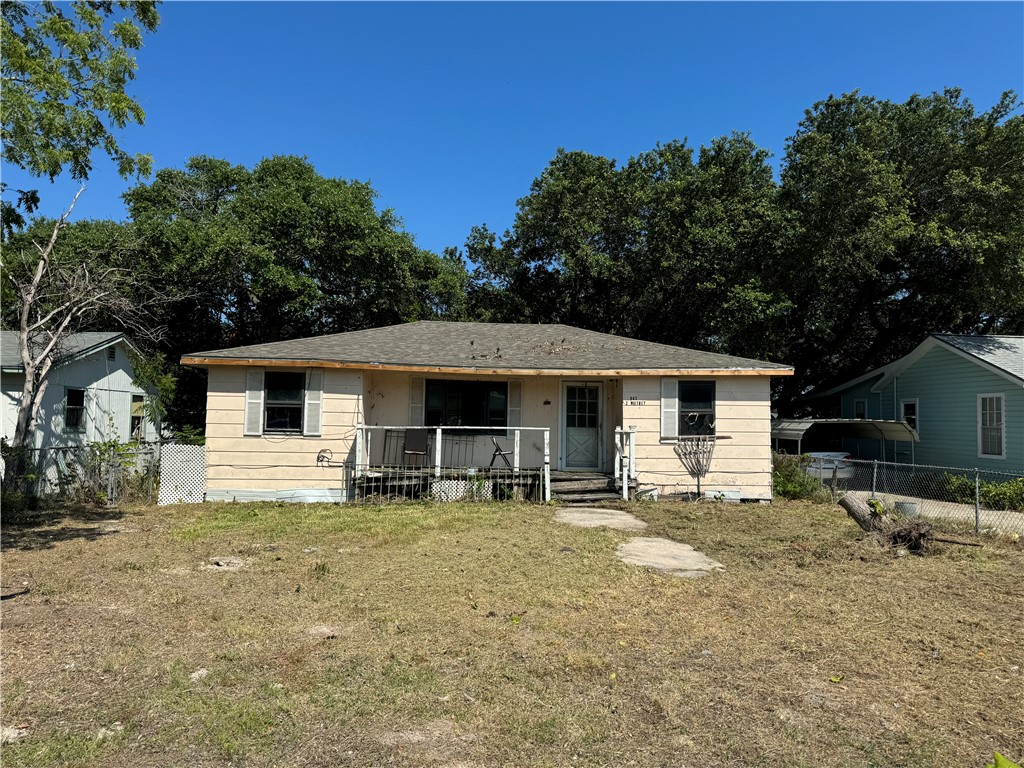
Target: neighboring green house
pixel 963 394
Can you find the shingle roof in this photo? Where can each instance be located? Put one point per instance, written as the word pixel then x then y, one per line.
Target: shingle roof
pixel 74 345
pixel 491 346
pixel 1003 352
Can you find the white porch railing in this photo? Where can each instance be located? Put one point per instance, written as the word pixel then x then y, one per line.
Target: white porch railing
pixel 625 457
pixel 449 448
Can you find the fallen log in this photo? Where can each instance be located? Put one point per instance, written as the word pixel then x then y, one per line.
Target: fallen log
pixel 913 534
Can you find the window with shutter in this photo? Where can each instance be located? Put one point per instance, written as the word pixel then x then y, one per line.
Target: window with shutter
pixel 313 416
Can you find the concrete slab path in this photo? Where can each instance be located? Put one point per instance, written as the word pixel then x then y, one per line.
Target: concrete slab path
pixel 676 558
pixel 588 517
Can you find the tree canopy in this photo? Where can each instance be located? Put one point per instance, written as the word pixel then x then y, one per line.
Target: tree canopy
pixel 64 77
pixel 890 221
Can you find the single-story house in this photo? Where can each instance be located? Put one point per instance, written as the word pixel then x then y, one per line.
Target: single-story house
pixel 91 395
pixel 964 396
pixel 285 419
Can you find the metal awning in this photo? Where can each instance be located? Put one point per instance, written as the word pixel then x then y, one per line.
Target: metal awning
pixel 877 429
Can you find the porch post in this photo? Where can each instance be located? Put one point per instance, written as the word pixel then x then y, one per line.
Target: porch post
pixel 547 464
pixel 359 452
pixel 632 452
pixel 437 453
pixel 515 452
pixel 618 453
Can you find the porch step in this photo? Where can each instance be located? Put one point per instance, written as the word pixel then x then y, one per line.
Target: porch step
pixel 582 484
pixel 585 498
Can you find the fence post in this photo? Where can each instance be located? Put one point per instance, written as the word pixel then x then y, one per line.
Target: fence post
pixel 515 452
pixel 152 473
pixel 874 477
pixel 835 477
pixel 110 478
pixel 977 501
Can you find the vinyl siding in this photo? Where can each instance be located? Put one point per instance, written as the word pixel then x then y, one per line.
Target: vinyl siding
pixel 741 464
pixel 238 465
pixel 946 386
pixel 108 401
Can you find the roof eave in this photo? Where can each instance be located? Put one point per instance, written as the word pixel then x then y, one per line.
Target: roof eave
pixel 200 361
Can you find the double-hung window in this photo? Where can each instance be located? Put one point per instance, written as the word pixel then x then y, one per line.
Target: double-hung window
pixel 137 426
pixel 687 408
pixel 991 429
pixel 909 413
pixel 283 401
pixel 74 410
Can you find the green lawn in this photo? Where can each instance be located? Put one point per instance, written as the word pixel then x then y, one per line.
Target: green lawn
pixel 490 635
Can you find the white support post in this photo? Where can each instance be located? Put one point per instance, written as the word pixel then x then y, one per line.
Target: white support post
pixel 618 454
pixel 632 452
pixel 359 452
pixel 437 453
pixel 515 452
pixel 624 471
pixel 369 453
pixel 547 465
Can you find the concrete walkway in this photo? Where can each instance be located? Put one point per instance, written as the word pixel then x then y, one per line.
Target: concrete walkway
pixel 673 557
pixel 587 517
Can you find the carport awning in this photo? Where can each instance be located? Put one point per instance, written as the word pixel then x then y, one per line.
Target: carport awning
pixel 877 429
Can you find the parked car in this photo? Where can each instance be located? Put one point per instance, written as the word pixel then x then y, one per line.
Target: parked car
pixel 825 465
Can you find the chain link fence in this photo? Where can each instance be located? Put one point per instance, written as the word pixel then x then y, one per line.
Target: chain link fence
pixel 981 499
pixel 101 473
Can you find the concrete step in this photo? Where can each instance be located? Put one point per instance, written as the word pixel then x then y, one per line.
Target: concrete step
pixel 588 484
pixel 585 498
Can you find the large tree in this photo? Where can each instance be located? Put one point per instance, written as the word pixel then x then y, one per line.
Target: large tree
pixel 64 75
pixel 278 252
pixel 910 221
pixel 65 69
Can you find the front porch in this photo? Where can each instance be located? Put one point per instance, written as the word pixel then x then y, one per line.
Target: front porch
pixel 456 463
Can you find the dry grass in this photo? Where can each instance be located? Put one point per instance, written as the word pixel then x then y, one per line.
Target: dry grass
pixel 480 635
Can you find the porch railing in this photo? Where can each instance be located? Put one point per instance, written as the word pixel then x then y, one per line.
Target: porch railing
pixel 448 448
pixel 625 457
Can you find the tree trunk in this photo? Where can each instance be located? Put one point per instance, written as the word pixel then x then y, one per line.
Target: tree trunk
pixel 861 513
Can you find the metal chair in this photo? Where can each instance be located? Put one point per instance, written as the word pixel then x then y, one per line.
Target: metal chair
pixel 499 452
pixel 415 445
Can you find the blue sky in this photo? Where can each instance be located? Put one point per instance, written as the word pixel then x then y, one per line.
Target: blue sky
pixel 451 110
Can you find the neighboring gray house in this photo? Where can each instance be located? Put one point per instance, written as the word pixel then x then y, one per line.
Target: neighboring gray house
pixel 90 396
pixel 963 394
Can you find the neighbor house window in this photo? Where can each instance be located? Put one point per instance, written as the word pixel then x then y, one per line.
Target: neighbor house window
pixel 991 435
pixel 283 401
pixel 455 403
pixel 138 422
pixel 909 415
pixel 696 408
pixel 860 409
pixel 74 410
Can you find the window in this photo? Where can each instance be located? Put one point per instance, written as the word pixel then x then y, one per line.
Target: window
pixel 909 413
pixel 454 403
pixel 991 436
pixel 860 409
pixel 284 393
pixel 138 422
pixel 582 406
pixel 74 410
pixel 696 408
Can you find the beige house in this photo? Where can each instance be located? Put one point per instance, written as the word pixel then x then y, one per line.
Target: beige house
pixel 455 410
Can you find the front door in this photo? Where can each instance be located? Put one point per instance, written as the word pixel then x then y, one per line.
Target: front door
pixel 582 426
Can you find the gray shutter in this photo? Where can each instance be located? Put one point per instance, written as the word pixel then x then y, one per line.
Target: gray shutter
pixel 253 402
pixel 312 415
pixel 669 409
pixel 416 387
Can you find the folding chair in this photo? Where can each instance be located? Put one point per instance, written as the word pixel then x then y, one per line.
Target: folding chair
pixel 415 445
pixel 499 452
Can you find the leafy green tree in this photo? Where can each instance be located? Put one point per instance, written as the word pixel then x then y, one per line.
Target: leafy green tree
pixel 64 77
pixel 278 252
pixel 909 220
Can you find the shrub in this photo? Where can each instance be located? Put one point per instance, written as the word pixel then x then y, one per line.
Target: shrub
pixel 992 495
pixel 791 481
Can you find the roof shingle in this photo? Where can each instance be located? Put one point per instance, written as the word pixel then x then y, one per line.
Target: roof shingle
pixel 472 346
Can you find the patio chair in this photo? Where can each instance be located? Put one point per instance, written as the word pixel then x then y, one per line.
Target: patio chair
pixel 498 451
pixel 415 446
